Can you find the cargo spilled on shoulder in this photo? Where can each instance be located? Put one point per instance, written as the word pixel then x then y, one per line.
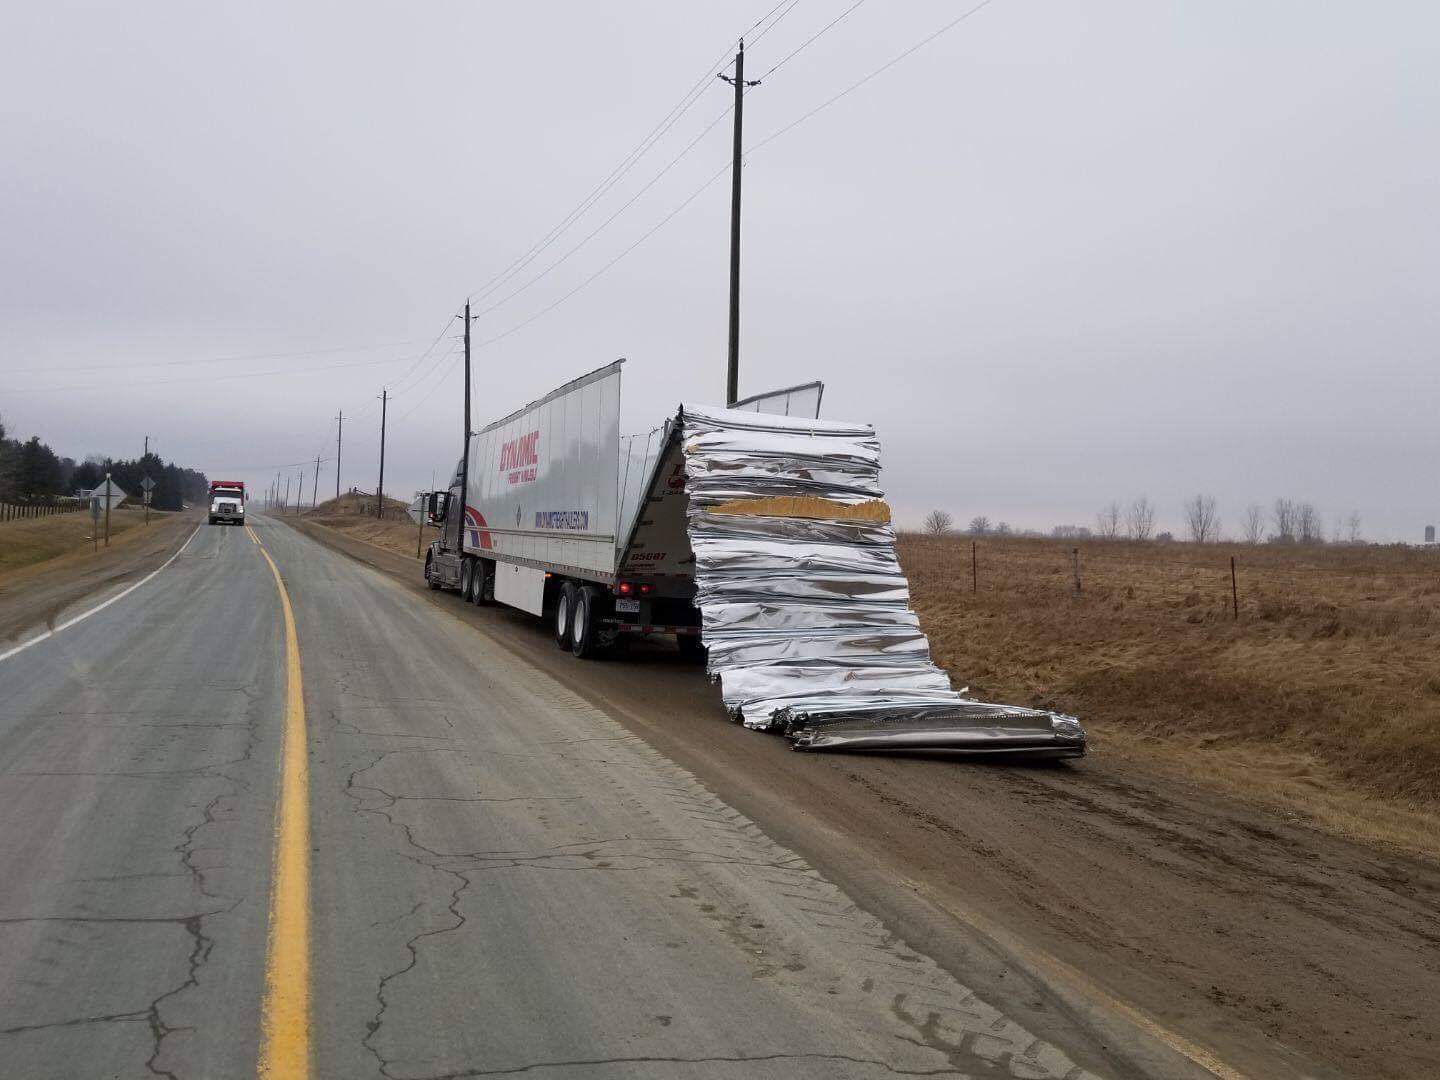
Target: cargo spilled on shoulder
pixel 756 536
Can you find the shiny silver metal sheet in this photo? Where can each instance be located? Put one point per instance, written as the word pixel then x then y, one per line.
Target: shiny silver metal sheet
pixel 807 622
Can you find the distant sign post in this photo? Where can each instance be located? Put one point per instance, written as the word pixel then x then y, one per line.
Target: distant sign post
pixel 146 486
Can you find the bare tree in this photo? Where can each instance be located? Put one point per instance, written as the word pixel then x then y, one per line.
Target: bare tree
pixel 1284 515
pixel 979 525
pixel 1140 519
pixel 1309 529
pixel 938 523
pixel 1352 528
pixel 1254 523
pixel 1201 520
pixel 1003 529
pixel 1107 521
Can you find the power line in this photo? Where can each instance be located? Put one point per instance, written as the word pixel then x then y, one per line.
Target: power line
pixel 878 71
pixel 630 160
pixel 756 39
pixel 811 40
pixel 601 227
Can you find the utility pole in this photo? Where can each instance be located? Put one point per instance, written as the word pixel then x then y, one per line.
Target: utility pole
pixel 300 494
pixel 315 487
pixel 277 491
pixel 380 487
pixel 286 504
pixel 465 445
pixel 339 430
pixel 108 490
pixel 732 376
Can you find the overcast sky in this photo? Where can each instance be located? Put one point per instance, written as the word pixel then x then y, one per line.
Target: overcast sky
pixel 1065 253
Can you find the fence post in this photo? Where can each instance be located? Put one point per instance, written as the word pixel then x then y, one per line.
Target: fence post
pixel 1075 552
pixel 1234 593
pixel 974 569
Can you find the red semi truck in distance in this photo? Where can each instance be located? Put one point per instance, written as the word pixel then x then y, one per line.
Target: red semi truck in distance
pixel 227 502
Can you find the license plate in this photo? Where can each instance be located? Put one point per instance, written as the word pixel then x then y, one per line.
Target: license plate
pixel 631 606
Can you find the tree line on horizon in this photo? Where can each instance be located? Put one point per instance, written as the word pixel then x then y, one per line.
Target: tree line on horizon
pixel 33 473
pixel 1288 521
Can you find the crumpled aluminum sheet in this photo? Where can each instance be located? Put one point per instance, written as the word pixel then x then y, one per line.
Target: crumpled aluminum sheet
pixel 807 623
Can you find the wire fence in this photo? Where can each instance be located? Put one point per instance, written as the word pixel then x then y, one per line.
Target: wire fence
pixel 25 511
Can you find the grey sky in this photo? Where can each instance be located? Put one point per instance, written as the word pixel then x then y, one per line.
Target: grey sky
pixel 1065 253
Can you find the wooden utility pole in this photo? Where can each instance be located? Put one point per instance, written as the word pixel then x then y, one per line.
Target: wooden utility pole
pixel 286 504
pixel 465 445
pixel 732 376
pixel 315 487
pixel 300 492
pixel 108 489
pixel 380 486
pixel 339 430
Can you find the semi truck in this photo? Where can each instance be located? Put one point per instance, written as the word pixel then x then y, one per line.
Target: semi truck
pixel 755 535
pixel 569 521
pixel 227 502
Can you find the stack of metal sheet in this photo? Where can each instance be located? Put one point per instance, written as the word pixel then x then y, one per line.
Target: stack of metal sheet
pixel 806 613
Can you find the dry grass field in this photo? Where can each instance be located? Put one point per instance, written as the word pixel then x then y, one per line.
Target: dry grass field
pixel 355 516
pixel 29 541
pixel 1324 694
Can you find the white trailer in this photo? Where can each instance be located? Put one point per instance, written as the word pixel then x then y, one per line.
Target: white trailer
pixel 553 503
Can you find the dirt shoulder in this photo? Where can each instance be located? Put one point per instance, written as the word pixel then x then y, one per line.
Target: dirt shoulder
pixel 36 594
pixel 1282 949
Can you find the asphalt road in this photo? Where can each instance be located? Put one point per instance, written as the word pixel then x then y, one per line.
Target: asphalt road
pixel 502 879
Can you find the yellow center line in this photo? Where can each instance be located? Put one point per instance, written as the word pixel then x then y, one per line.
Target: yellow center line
pixel 285 1024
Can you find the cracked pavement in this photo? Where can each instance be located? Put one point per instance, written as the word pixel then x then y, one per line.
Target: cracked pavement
pixel 505 881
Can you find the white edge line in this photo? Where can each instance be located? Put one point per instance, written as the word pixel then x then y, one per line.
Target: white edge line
pixel 98 607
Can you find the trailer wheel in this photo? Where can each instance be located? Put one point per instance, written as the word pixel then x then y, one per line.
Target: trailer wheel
pixel 487 589
pixel 585 623
pixel 691 647
pixel 480 581
pixel 465 572
pixel 430 572
pixel 564 611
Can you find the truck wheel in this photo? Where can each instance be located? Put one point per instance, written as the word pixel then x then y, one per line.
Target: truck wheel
pixel 465 572
pixel 212 521
pixel 479 582
pixel 487 590
pixel 430 572
pixel 564 610
pixel 585 623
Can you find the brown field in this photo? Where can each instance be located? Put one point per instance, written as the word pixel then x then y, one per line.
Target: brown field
pixel 1323 696
pixel 29 541
pixel 355 516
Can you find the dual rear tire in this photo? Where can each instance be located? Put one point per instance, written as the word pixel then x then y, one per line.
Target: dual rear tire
pixel 477 582
pixel 577 619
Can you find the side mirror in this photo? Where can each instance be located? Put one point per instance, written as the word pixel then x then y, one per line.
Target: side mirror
pixel 436 505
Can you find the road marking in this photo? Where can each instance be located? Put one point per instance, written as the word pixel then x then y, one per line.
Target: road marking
pixel 285 1024
pixel 98 607
pixel 253 537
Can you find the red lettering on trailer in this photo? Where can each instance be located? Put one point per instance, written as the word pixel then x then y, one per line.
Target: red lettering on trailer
pixel 520 458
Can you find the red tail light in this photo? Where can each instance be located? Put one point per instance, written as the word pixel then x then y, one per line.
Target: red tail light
pixel 646 589
pixel 624 588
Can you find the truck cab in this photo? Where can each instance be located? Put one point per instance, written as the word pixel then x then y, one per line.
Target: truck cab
pixel 227 502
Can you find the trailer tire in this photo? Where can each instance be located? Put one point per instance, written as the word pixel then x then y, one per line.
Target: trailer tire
pixel 691 647
pixel 430 572
pixel 486 594
pixel 480 580
pixel 585 623
pixel 564 614
pixel 465 572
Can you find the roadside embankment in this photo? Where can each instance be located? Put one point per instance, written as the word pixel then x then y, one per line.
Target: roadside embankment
pixel 36 585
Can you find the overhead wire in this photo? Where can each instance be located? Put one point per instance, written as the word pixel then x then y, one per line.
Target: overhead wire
pixel 878 71
pixel 811 40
